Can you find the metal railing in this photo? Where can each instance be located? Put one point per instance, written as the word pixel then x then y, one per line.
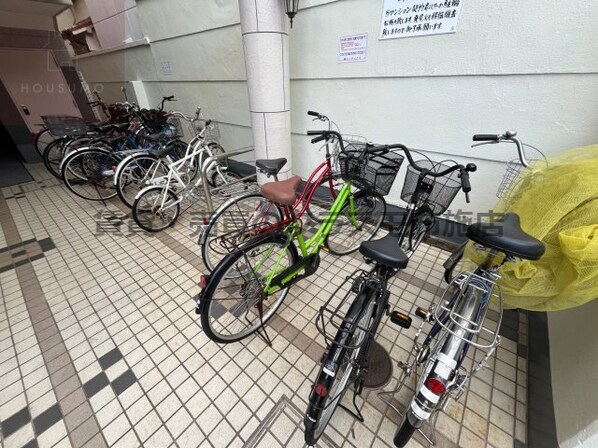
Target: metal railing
pixel 214 159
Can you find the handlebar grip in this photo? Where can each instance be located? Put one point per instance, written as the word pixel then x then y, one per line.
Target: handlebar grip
pixel 486 138
pixel 318 139
pixel 312 113
pixel 315 132
pixel 208 122
pixel 465 184
pixel 169 98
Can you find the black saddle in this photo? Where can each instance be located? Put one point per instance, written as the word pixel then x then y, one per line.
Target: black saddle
pixel 102 128
pixel 270 166
pixel 121 127
pixel 155 137
pixel 385 251
pixel 506 236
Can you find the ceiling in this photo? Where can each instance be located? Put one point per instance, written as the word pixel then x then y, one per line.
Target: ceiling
pixel 48 8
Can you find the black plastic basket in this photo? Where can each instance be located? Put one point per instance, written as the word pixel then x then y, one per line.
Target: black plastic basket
pixel 437 192
pixel 368 171
pixel 65 125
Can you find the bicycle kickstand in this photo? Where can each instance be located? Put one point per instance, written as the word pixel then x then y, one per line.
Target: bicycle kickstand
pixel 356 391
pixel 262 333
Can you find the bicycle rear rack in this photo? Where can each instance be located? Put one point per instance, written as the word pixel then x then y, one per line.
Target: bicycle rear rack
pixel 331 317
pixel 471 325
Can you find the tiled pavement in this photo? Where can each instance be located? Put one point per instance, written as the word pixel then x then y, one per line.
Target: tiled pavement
pixel 100 345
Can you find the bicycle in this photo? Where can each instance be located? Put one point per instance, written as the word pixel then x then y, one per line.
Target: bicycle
pixel 513 169
pixel 88 172
pixel 356 321
pixel 250 283
pixel 157 206
pixel 250 214
pixel 136 170
pixel 458 321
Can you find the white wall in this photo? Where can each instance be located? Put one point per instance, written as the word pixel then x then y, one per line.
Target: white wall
pixel 573 342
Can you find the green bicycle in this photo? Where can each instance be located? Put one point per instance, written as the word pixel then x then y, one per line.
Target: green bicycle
pixel 247 287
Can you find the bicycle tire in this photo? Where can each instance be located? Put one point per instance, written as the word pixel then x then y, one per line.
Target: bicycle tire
pixel 222 177
pixel 321 409
pixel 235 275
pixel 147 208
pixel 41 140
pixel 344 237
pixel 237 213
pixel 404 433
pixel 53 156
pixel 131 175
pixel 88 173
pixel 323 199
pixel 415 231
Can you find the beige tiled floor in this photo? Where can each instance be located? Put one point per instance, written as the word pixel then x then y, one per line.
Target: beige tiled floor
pixel 145 374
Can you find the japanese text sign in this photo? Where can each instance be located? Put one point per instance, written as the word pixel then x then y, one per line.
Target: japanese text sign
pixel 408 18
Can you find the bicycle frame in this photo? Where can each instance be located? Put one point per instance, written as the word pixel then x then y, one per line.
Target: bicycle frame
pixel 310 247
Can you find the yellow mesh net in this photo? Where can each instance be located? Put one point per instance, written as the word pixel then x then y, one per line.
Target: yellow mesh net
pixel 557 201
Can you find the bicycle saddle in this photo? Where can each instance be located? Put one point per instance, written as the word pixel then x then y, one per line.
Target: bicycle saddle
pixel 155 137
pixel 282 192
pixel 120 127
pixel 100 127
pixel 385 251
pixel 506 236
pixel 270 166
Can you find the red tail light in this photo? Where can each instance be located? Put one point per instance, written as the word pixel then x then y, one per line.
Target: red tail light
pixel 203 281
pixel 320 390
pixel 205 221
pixel 436 386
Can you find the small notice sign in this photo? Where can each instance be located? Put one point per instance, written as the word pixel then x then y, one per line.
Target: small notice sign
pixel 353 48
pixel 408 18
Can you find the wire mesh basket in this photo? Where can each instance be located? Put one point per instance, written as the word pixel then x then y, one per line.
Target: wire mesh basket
pixel 176 123
pixel 510 178
pixel 437 192
pixel 371 172
pixel 63 125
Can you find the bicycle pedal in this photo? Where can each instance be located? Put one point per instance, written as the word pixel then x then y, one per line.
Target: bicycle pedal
pixel 400 319
pixel 420 312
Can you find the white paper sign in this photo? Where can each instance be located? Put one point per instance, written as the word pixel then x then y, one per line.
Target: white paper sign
pixel 165 66
pixel 353 48
pixel 408 18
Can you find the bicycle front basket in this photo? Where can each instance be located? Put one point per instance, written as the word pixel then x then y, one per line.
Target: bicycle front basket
pixel 437 192
pixel 367 171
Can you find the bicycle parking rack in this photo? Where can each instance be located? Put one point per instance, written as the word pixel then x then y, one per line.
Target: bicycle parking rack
pixel 228 189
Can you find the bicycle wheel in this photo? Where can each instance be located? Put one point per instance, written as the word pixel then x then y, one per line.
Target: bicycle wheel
pixel 416 229
pixel 89 172
pixel 233 305
pixel 358 221
pixel 156 208
pixel 336 370
pixel 318 207
pixel 41 140
pixel 53 155
pixel 235 221
pixel 133 174
pixel 222 177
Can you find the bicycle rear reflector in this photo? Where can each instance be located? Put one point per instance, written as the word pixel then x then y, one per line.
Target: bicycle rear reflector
pixel 320 390
pixel 436 386
pixel 203 281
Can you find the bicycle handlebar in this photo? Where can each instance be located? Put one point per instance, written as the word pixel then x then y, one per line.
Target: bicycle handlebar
pixel 510 136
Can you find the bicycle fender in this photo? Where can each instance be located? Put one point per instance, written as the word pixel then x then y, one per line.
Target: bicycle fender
pixel 454 258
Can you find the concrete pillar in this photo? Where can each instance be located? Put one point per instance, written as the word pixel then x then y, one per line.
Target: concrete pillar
pixel 265 40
